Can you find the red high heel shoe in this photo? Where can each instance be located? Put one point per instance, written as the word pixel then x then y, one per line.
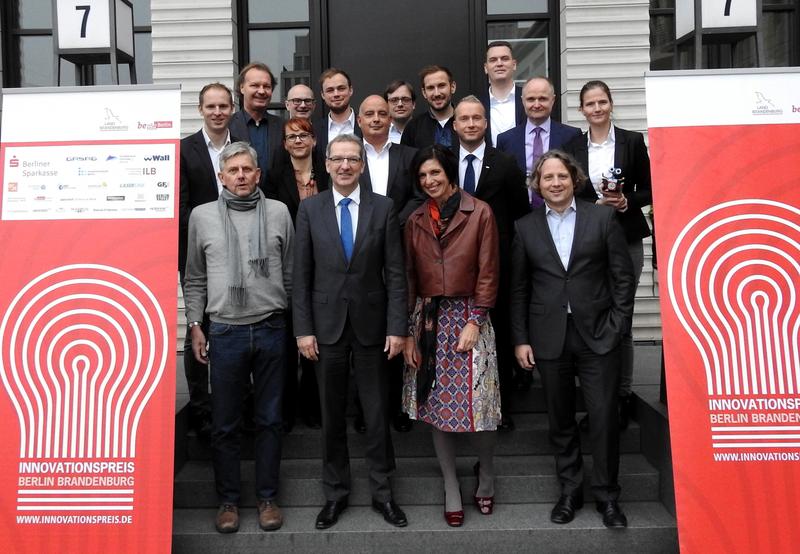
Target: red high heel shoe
pixel 485 504
pixel 454 519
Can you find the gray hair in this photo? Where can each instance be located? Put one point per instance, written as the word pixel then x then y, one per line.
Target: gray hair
pixel 346 137
pixel 235 149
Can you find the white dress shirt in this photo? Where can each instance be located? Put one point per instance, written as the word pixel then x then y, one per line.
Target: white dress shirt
pixel 378 167
pixel 562 229
pixel 477 163
pixel 503 112
pixel 601 159
pixel 213 153
pixel 395 134
pixel 355 196
pixel 345 127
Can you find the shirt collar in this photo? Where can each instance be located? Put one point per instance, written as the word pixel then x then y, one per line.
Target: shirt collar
pixel 207 139
pixel 610 139
pixel 355 196
pixel 350 118
pixel 545 126
pixel 371 149
pixel 478 152
pixel 548 210
pixel 496 100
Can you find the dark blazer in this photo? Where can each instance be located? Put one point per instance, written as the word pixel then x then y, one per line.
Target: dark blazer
pixel 282 186
pixel 321 136
pixel 513 141
pixel 198 185
pixel 421 131
pixel 276 153
pixel 370 290
pixel 630 155
pixel 400 187
pixel 519 109
pixel 598 283
pixel 502 186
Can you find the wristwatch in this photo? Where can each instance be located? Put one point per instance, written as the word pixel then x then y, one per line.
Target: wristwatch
pixel 194 323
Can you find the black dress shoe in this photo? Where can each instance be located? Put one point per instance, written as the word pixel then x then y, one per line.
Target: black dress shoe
pixel 391 512
pixel 329 514
pixel 506 423
pixel 402 423
pixel 613 518
pixel 564 510
pixel 360 425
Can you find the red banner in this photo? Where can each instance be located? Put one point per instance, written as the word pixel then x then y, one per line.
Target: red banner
pixel 726 199
pixel 87 335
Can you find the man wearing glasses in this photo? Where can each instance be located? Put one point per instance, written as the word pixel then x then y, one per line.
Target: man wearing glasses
pixel 300 102
pixel 402 100
pixel 350 302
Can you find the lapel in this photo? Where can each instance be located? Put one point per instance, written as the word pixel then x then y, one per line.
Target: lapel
pixel 394 163
pixel 543 230
pixel 620 148
pixel 488 163
pixel 366 179
pixel 201 151
pixel 580 228
pixel 330 223
pixel 467 204
pixel 365 209
pixel 290 185
pixel 519 147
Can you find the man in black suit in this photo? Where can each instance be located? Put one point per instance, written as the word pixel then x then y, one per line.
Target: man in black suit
pixel 199 182
pixel 434 126
pixel 337 91
pixel 350 302
pixel 502 100
pixel 492 176
pixel 572 289
pixel 538 98
pixel 263 131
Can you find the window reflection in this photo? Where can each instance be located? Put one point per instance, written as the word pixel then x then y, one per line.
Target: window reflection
pixel 35 14
pixel 498 7
pixel 286 52
pixel 529 39
pixel 277 11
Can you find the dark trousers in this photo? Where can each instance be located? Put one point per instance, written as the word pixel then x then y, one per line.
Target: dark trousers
pixel 333 372
pixel 305 397
pixel 599 377
pixel 235 352
pixel 196 377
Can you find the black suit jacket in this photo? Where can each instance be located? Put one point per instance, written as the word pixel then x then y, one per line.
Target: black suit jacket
pixel 370 290
pixel 276 154
pixel 198 185
pixel 630 155
pixel 513 141
pixel 400 186
pixel 282 186
pixel 598 283
pixel 321 136
pixel 519 111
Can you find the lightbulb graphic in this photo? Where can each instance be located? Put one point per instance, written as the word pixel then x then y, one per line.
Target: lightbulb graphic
pixel 732 281
pixel 84 347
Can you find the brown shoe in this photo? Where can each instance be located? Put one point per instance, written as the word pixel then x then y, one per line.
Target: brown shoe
pixel 269 515
pixel 227 519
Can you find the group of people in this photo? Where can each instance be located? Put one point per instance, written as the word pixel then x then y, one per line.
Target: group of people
pixel 424 256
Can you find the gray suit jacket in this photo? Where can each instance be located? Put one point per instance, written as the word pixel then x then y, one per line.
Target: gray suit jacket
pixel 370 290
pixel 598 283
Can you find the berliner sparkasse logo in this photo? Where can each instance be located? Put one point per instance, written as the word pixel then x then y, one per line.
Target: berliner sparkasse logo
pixel 764 105
pixel 13 162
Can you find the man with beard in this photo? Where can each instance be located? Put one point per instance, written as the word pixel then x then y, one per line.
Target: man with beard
pixel 436 125
pixel 337 90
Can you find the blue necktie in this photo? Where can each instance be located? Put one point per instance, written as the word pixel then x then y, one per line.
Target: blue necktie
pixel 469 175
pixel 346 229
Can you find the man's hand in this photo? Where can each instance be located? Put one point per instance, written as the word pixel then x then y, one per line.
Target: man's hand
pixel 199 344
pixel 307 346
pixel 524 355
pixel 468 338
pixel 411 353
pixel 394 345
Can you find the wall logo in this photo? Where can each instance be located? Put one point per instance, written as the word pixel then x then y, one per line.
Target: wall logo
pixel 13 162
pixel 765 106
pixel 157 158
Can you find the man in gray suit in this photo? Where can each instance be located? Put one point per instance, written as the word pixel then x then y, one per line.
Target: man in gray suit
pixel 350 302
pixel 572 289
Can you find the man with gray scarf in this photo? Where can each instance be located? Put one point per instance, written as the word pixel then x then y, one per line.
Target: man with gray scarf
pixel 239 268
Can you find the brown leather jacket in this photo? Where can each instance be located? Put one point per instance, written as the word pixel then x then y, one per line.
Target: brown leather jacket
pixel 465 262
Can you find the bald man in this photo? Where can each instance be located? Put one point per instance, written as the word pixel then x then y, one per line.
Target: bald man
pixel 300 102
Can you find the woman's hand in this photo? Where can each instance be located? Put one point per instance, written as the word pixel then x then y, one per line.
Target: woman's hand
pixel 411 353
pixel 468 338
pixel 616 200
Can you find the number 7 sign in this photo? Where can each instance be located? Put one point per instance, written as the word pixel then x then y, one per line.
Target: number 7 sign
pixel 83 24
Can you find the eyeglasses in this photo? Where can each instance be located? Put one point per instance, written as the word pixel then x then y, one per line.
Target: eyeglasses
pixel 339 160
pixel 297 101
pixel 400 100
pixel 293 138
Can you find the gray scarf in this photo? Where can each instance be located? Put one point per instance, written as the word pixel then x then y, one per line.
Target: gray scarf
pixel 237 292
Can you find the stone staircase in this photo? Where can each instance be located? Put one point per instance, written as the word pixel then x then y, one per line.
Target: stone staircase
pixel 526 489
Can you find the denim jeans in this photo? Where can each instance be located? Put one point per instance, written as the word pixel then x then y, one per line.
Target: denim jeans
pixel 235 352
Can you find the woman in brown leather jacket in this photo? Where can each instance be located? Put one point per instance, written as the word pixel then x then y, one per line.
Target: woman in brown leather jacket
pixel 452 267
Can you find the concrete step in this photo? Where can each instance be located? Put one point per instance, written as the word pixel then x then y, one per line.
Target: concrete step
pixel 416 481
pixel 529 438
pixel 512 528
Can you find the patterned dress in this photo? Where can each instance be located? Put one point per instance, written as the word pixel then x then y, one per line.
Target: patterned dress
pixel 465 395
